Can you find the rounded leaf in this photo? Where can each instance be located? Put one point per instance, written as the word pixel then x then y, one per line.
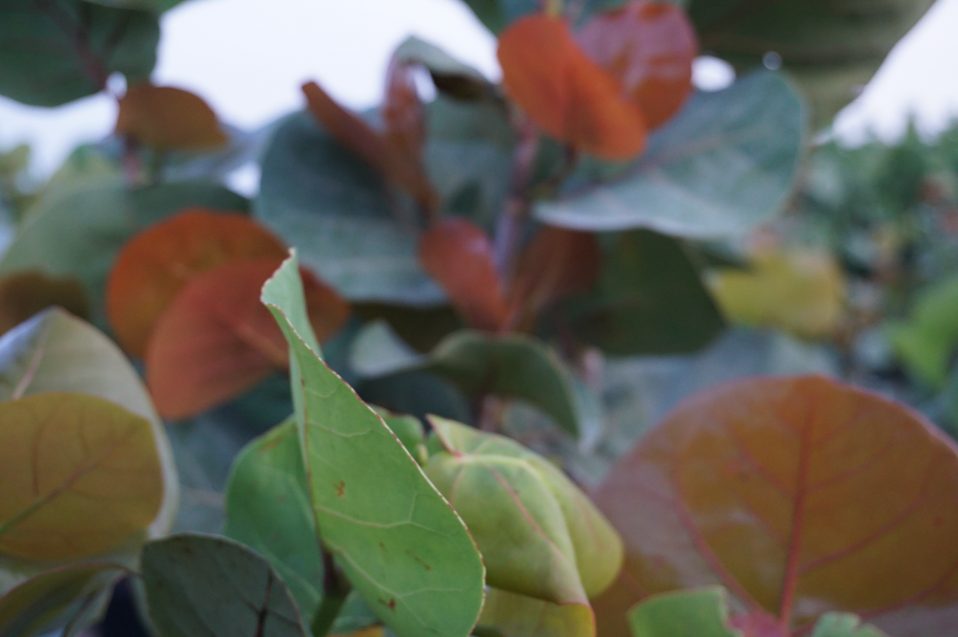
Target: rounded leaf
pixel 168 118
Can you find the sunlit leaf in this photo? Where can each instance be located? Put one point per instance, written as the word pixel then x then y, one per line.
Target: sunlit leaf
pixel 459 256
pixel 56 352
pixel 157 263
pixel 510 615
pixel 538 534
pixel 81 477
pixel 216 340
pixel 78 230
pixel 23 294
pixel 59 51
pixel 725 164
pixel 649 48
pixel 798 495
pixel 204 585
pixel 397 539
pixel 798 290
pixel 268 509
pixel 565 93
pixel 168 118
pixel 68 597
pixel 697 613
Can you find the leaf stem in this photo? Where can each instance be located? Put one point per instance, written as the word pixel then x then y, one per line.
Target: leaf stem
pixel 335 591
pixel 518 202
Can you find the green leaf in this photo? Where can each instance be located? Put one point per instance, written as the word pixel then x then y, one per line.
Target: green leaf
pixel 844 625
pixel 510 615
pixel 268 509
pixel 397 539
pixel 69 598
pixel 926 342
pixel 831 47
pixel 650 299
pixel 56 51
pixel 204 585
pixel 725 164
pixel 56 352
pixel 78 229
pixel 338 213
pixel 538 534
pixel 510 366
pixel 448 74
pixel 696 613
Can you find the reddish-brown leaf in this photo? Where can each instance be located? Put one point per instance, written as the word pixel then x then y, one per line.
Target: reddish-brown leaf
pixel 168 118
pixel 800 495
pixel 216 339
pixel 459 256
pixel 649 48
pixel 565 93
pixel 153 267
pixel 555 264
pixel 23 294
pixel 389 154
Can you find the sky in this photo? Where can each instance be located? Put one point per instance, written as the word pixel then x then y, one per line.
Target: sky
pixel 249 57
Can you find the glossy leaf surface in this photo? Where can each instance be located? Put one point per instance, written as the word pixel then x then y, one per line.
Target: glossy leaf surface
pixel 204 585
pixel 565 93
pixel 398 540
pixel 81 477
pixel 723 165
pixel 649 48
pixel 802 493
pixel 168 118
pixel 216 340
pixel 157 263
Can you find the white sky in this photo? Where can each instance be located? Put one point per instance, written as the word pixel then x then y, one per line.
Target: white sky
pixel 249 57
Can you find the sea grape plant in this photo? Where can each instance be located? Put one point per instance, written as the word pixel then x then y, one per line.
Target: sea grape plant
pixel 537 357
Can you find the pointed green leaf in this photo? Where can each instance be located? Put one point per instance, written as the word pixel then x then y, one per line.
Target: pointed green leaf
pixel 397 539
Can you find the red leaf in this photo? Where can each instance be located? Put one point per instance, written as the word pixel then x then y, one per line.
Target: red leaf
pixel 801 496
pixel 153 267
pixel 649 48
pixel 168 118
pixel 564 92
pixel 459 256
pixel 217 340
pixel 346 128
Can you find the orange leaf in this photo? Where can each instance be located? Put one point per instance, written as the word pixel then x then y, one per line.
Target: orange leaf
pixel 216 340
pixel 564 92
pixel 153 267
pixel 801 496
pixel 555 264
pixel 649 48
pixel 168 118
pixel 81 476
pixel 23 294
pixel 459 255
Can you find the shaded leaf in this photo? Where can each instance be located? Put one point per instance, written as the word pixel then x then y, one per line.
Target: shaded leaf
pixel 56 352
pixel 538 534
pixel 801 291
pixel 844 625
pixel 23 294
pixel 81 477
pixel 649 48
pixel 168 118
pixel 695 613
pixel 649 299
pixel 336 211
pixel 399 542
pixel 459 256
pixel 78 230
pixel 450 75
pixel 510 615
pixel 927 340
pixel 268 509
pixel 56 51
pixel 566 94
pixel 69 597
pixel 802 494
pixel 216 340
pixel 725 164
pixel 204 585
pixel 154 266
